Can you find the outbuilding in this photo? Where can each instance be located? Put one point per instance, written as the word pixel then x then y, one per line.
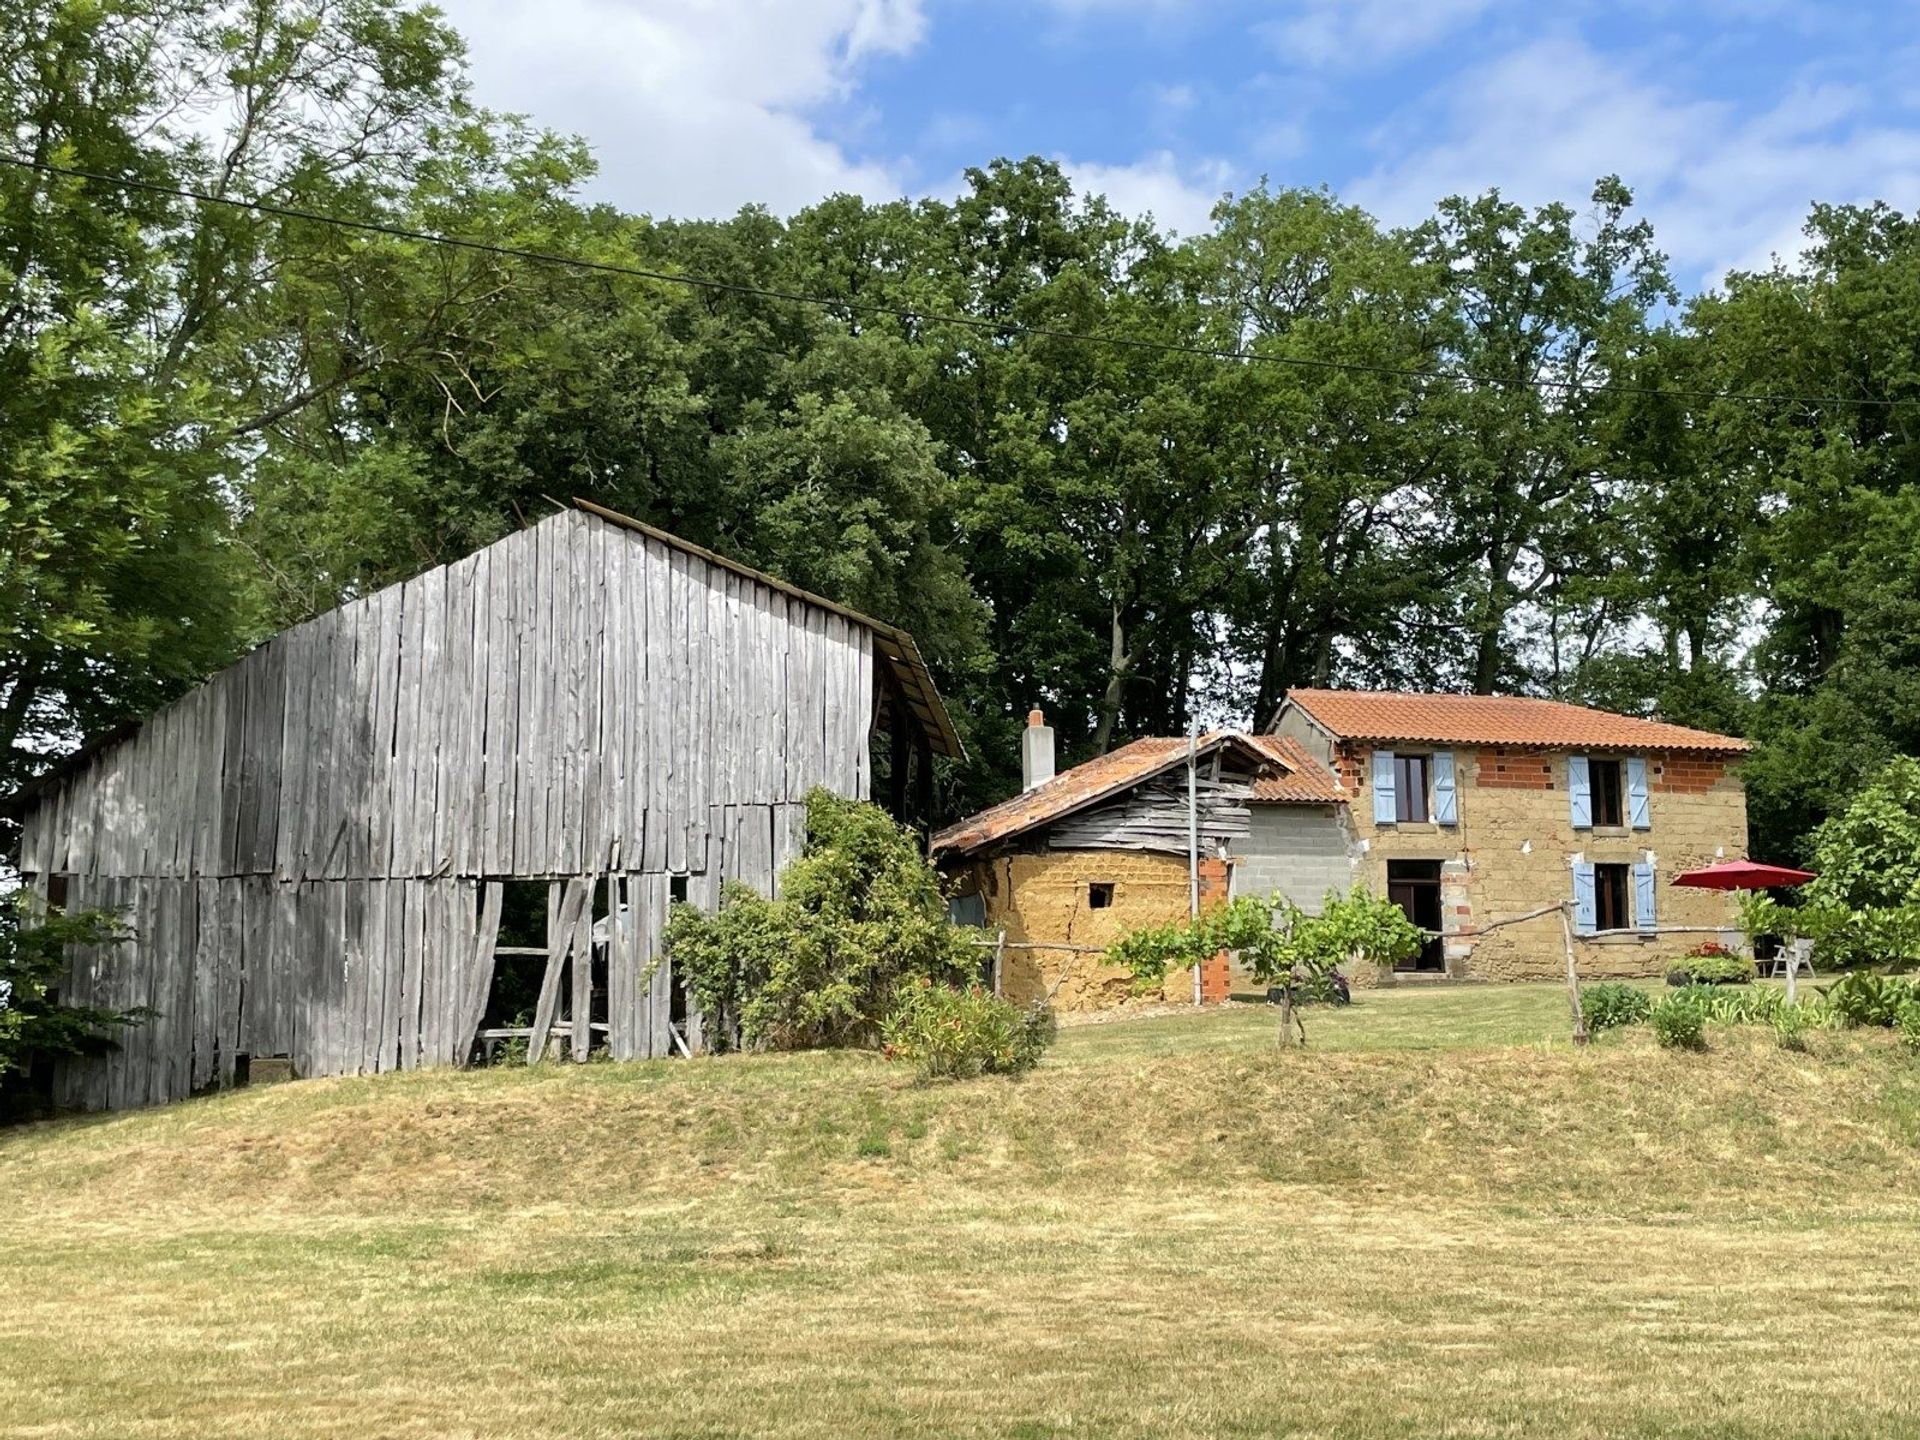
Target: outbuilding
pixel 313 848
pixel 1076 860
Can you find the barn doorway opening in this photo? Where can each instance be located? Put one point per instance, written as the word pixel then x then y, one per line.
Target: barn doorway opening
pixel 1414 885
pixel 520 957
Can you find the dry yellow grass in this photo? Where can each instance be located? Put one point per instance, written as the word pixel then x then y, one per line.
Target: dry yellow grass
pixel 1439 1221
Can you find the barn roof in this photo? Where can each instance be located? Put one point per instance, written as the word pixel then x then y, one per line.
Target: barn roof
pixel 1495 720
pixel 1289 776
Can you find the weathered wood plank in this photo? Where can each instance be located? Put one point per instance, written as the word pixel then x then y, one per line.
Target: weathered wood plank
pixel 563 925
pixel 580 1002
pixel 479 977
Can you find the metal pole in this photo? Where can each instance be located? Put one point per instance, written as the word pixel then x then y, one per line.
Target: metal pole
pixel 1193 840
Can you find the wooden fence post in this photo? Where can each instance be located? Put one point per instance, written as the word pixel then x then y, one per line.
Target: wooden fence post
pixel 1573 978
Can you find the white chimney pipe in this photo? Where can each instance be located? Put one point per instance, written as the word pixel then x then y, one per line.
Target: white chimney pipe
pixel 1036 751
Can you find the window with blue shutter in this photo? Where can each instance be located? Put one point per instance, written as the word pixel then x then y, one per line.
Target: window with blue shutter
pixel 1446 804
pixel 1384 812
pixel 1639 810
pixel 1579 793
pixel 1584 918
pixel 1644 896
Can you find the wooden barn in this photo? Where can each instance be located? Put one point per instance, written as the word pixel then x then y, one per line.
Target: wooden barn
pixel 314 848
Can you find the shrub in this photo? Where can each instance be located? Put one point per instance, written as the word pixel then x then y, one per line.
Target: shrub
pixel 33 957
pixel 955 1034
pixel 860 912
pixel 1720 968
pixel 1678 1022
pixel 1612 1004
pixel 1909 1023
pixel 1863 998
pixel 1868 859
pixel 1755 1006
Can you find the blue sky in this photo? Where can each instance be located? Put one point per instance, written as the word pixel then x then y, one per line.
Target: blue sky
pixel 1728 117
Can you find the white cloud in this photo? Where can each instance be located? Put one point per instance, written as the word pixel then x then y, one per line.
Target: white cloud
pixel 694 108
pixel 1320 33
pixel 1156 185
pixel 1722 188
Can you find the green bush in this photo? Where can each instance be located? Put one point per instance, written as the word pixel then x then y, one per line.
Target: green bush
pixel 1909 1024
pixel 1678 1022
pixel 1712 965
pixel 860 913
pixel 1611 1004
pixel 1863 998
pixel 955 1034
pixel 1868 859
pixel 33 957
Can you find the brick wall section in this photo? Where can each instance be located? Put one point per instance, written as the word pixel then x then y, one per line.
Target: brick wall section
pixel 1041 897
pixel 1513 850
pixel 1504 768
pixel 1687 775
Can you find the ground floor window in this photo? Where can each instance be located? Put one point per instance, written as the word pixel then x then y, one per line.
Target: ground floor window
pixel 1612 892
pixel 1100 895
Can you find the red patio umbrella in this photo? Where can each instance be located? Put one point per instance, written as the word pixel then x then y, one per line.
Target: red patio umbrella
pixel 1742 875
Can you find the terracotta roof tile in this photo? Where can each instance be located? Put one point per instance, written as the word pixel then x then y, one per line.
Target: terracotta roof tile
pixel 1497 720
pixel 1305 781
pixel 1117 770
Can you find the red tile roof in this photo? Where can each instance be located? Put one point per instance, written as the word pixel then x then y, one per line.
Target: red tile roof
pixel 1106 775
pixel 1305 781
pixel 1496 720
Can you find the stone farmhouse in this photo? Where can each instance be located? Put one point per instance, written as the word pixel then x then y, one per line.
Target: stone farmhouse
pixel 1464 809
pixel 1472 808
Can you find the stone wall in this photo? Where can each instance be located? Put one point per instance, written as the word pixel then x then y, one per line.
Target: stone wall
pixel 1301 851
pixel 1515 846
pixel 1041 897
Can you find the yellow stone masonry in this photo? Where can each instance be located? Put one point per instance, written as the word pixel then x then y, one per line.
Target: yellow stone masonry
pixel 1513 851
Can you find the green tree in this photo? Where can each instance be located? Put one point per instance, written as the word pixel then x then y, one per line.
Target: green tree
pixel 1539 309
pixel 161 355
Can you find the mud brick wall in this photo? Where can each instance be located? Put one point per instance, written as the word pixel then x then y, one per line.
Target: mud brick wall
pixel 1041 897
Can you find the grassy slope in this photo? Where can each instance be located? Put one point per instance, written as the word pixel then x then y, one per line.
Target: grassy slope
pixel 1439 1220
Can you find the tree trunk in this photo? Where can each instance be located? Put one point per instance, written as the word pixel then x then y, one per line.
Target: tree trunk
pixel 1118 663
pixel 18 705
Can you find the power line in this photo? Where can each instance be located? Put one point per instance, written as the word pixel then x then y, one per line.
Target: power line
pixel 1004 329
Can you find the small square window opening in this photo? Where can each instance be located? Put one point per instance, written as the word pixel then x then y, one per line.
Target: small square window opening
pixel 1099 895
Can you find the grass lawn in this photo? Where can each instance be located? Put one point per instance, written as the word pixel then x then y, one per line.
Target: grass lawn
pixel 1439 1220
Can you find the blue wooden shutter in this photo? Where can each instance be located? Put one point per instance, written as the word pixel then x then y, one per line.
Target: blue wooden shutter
pixel 1579 793
pixel 1585 911
pixel 1644 898
pixel 1383 806
pixel 1446 807
pixel 1639 812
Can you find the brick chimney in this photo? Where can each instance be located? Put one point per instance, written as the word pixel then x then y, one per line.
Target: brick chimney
pixel 1036 751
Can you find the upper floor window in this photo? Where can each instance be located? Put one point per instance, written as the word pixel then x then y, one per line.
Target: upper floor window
pixel 1410 788
pixel 1413 789
pixel 1604 777
pixel 1608 790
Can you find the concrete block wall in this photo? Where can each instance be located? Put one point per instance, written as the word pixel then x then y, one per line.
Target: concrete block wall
pixel 1301 851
